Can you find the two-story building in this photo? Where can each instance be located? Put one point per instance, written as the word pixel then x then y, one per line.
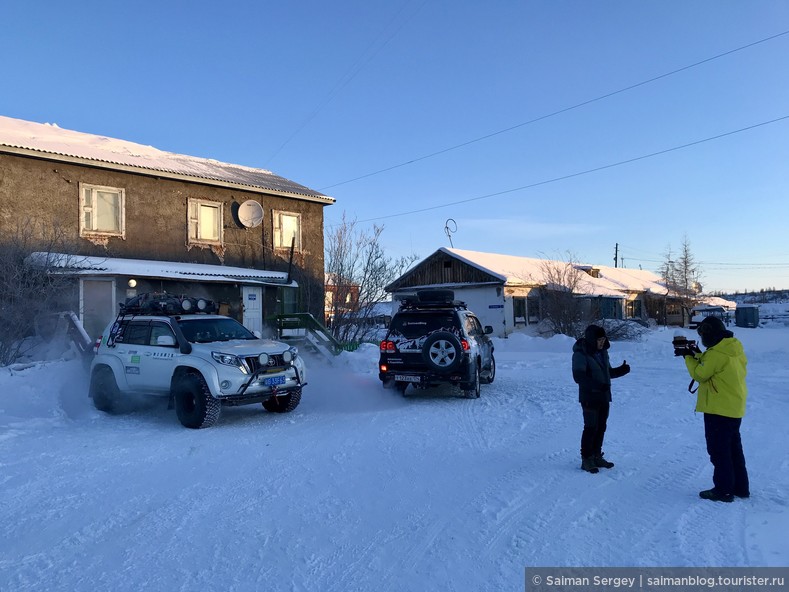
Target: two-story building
pixel 123 218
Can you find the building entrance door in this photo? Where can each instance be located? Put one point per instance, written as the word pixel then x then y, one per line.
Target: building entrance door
pixel 252 299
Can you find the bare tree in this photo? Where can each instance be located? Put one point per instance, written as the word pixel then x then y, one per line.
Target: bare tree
pixel 28 289
pixel 560 305
pixel 357 270
pixel 560 284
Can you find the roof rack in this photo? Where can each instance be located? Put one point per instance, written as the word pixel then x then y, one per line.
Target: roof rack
pixel 431 299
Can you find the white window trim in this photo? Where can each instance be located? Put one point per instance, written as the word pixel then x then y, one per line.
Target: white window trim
pixel 193 221
pixel 83 207
pixel 277 230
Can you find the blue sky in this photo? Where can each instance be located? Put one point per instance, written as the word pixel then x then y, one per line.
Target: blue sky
pixel 323 93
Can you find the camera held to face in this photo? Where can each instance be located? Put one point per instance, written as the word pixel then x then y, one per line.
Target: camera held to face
pixel 684 346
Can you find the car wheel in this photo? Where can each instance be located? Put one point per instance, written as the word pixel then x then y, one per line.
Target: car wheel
pixel 283 403
pixel 195 406
pixel 490 375
pixel 442 351
pixel 104 390
pixel 471 390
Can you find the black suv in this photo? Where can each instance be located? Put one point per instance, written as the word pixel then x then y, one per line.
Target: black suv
pixel 434 339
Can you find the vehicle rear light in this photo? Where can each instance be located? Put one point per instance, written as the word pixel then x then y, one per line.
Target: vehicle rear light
pixel 384 368
pixel 464 344
pixel 97 344
pixel 387 346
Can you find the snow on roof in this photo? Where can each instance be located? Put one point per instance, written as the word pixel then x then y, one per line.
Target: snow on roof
pixel 528 271
pixel 80 265
pixel 718 301
pixel 50 139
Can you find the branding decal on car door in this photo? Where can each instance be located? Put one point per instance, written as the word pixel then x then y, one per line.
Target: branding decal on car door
pixel 132 369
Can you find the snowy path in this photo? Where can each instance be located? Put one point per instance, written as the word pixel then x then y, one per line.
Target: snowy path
pixel 361 489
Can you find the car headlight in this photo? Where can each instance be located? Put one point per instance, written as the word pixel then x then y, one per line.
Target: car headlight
pixel 290 354
pixel 228 359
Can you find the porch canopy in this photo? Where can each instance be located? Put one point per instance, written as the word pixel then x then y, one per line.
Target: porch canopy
pixel 171 270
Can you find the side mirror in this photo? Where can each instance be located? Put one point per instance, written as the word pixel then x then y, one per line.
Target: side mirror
pixel 166 340
pixel 257 334
pixel 488 329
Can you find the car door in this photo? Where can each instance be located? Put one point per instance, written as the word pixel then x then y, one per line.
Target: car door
pixel 158 357
pixel 129 344
pixel 484 344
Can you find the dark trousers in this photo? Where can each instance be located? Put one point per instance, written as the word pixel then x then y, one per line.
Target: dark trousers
pixel 595 422
pixel 725 449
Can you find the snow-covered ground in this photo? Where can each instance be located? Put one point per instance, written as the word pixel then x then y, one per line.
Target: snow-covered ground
pixel 360 489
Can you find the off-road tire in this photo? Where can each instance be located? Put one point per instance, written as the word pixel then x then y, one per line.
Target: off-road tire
pixel 283 403
pixel 442 352
pixel 104 390
pixel 470 390
pixel 194 405
pixel 492 376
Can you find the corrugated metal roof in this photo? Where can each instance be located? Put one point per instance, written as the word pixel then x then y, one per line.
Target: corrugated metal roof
pixel 47 139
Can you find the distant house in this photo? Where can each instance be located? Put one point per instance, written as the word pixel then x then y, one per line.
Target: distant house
pixel 130 218
pixel 341 298
pixel 506 291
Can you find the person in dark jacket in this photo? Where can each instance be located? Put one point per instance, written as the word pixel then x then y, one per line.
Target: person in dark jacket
pixel 593 373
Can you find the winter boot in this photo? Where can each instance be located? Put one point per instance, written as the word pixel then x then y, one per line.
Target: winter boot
pixel 716 496
pixel 602 463
pixel 588 465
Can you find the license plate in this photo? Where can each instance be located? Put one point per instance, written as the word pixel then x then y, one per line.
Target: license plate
pixel 273 380
pixel 407 378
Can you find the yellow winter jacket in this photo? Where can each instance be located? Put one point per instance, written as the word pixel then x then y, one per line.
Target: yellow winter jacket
pixel 720 372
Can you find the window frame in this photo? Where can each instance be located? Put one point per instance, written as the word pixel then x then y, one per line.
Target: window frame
pixel 84 207
pixel 277 238
pixel 193 221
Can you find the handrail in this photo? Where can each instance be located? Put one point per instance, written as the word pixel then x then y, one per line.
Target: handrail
pixel 305 320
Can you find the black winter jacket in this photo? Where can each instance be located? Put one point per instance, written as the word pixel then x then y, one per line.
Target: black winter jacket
pixel 592 373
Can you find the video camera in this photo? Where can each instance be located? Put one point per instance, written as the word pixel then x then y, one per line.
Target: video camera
pixel 684 346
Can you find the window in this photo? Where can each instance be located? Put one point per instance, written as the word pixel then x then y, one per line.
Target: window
pixel 287 226
pixel 205 222
pixel 102 210
pixel 161 330
pixel 134 334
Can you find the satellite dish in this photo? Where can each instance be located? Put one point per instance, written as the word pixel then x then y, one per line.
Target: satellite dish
pixel 250 213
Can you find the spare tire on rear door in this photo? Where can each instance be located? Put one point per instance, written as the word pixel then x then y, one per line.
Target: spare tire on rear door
pixel 442 351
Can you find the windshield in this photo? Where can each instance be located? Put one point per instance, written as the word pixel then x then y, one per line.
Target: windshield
pixel 209 330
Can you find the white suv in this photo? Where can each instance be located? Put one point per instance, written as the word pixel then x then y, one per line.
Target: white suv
pixel 160 345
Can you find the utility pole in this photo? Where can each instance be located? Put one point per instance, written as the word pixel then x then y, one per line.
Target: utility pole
pixel 616 253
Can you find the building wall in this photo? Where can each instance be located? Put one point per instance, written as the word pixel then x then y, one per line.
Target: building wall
pixel 156 220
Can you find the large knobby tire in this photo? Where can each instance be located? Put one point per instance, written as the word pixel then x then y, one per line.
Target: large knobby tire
pixel 491 376
pixel 194 405
pixel 442 352
pixel 470 390
pixel 104 390
pixel 283 403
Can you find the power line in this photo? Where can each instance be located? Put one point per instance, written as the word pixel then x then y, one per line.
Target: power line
pixel 581 173
pixel 352 72
pixel 559 112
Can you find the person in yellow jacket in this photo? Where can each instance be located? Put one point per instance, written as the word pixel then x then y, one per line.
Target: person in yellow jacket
pixel 720 372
